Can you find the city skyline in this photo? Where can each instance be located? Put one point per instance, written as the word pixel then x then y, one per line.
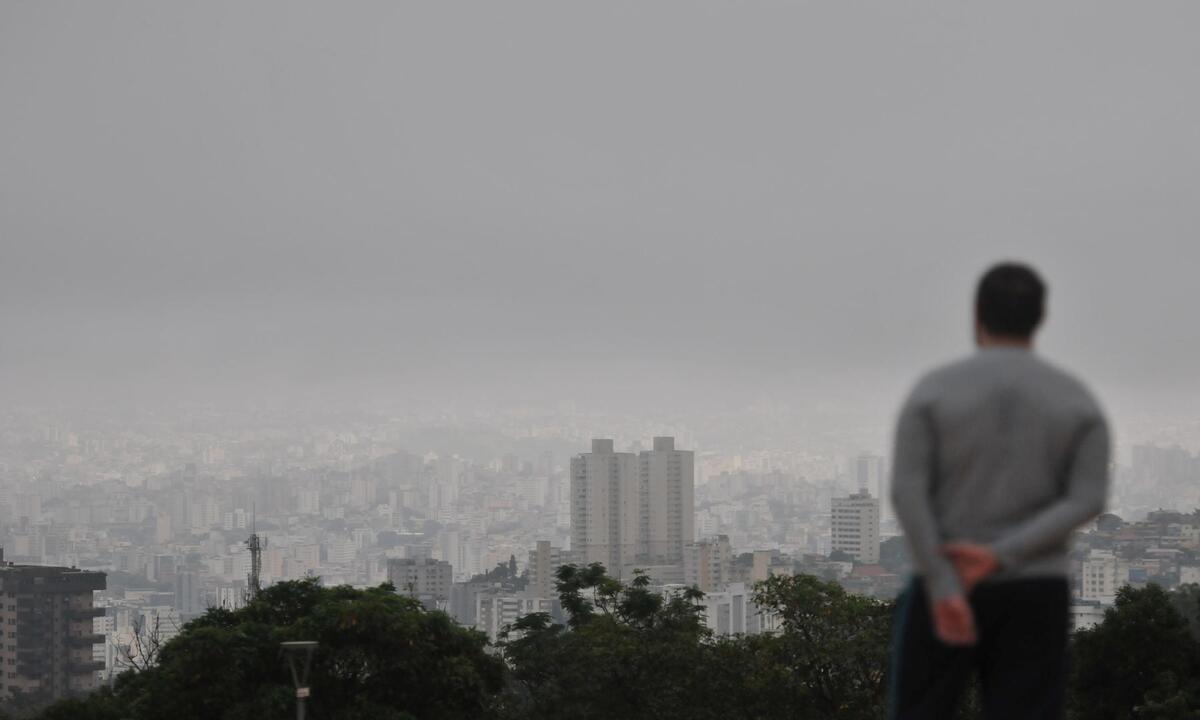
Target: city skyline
pixel 524 334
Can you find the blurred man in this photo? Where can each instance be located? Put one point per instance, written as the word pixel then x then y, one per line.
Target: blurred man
pixel 998 458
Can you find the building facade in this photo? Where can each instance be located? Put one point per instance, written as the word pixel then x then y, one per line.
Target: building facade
pixel 628 508
pixel 668 510
pixel 854 527
pixel 708 564
pixel 605 506
pixel 47 618
pixel 1102 574
pixel 426 579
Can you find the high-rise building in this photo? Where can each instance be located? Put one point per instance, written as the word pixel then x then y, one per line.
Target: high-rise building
pixel 628 508
pixel 855 527
pixel 47 614
pixel 871 476
pixel 668 511
pixel 544 562
pixel 708 564
pixel 187 593
pixel 426 579
pixel 868 472
pixel 605 506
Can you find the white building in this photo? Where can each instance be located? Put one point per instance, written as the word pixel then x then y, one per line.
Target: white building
pixel 1101 576
pixel 733 612
pixel 495 610
pixel 855 527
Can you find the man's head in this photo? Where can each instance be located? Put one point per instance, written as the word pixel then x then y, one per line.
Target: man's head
pixel 1010 303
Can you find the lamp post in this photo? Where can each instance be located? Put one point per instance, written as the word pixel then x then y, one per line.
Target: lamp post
pixel 296 651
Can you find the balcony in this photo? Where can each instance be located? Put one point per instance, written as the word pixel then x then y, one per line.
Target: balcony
pixel 85 639
pixel 85 613
pixel 85 666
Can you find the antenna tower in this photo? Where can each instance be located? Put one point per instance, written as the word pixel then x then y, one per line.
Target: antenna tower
pixel 256 545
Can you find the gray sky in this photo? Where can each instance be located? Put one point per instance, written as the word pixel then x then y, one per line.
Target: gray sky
pixel 512 201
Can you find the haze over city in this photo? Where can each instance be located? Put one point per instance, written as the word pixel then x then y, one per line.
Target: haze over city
pixel 532 203
pixel 370 280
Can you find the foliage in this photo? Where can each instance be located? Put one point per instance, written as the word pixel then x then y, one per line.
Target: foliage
pixel 1186 600
pixel 833 650
pixel 628 652
pixel 380 656
pixel 624 650
pixel 1140 662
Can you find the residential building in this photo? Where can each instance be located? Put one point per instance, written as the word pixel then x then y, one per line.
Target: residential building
pixel 668 508
pixel 1102 574
pixel 47 618
pixel 544 562
pixel 708 564
pixel 628 509
pixel 855 527
pixel 605 506
pixel 426 579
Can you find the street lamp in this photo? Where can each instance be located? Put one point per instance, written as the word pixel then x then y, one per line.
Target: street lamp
pixel 296 650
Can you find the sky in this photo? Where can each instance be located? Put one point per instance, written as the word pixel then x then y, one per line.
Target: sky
pixel 632 204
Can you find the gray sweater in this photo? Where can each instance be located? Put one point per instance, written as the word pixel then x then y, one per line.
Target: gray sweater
pixel 1002 449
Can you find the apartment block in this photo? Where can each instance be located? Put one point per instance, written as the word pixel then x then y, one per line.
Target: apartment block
pixel 46 614
pixel 854 526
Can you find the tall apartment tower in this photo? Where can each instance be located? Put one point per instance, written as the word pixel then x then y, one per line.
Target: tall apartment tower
pixel 628 508
pixel 604 506
pixel 668 511
pixel 855 526
pixel 46 614
pixel 868 471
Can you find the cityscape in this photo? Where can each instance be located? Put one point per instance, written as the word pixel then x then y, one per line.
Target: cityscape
pixel 139 529
pixel 529 360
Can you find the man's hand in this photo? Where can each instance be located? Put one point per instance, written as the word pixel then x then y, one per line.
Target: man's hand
pixel 953 621
pixel 973 562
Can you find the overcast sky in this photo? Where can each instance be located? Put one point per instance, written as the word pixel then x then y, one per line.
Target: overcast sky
pixel 512 201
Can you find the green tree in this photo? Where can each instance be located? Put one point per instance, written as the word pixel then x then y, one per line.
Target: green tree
pixel 380 656
pixel 1141 661
pixel 1186 599
pixel 833 651
pixel 625 652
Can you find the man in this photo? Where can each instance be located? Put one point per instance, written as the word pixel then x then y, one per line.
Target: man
pixel 998 458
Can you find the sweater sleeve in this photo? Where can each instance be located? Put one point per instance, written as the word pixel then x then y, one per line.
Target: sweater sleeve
pixel 1083 499
pixel 913 469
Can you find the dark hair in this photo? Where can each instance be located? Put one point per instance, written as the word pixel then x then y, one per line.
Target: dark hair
pixel 1010 300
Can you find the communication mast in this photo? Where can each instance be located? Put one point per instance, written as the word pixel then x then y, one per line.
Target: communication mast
pixel 256 545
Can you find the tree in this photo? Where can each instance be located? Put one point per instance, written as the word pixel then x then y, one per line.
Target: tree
pixel 625 651
pixel 1141 661
pixel 629 652
pixel 1186 599
pixel 145 643
pixel 833 649
pixel 380 656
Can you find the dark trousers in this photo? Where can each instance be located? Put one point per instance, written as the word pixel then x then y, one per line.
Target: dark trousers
pixel 1020 657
